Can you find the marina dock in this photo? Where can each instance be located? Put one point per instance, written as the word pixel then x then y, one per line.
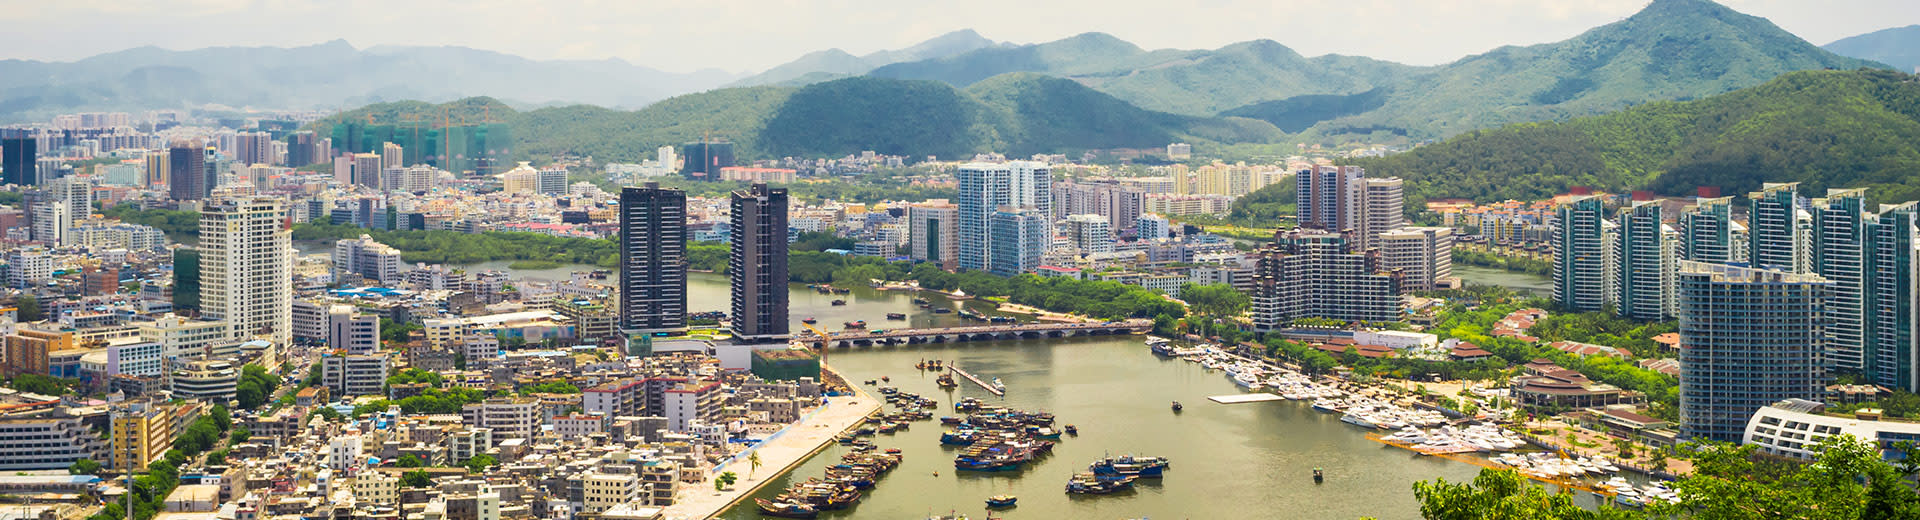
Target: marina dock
pixel 1245 398
pixel 983 384
pixel 1475 459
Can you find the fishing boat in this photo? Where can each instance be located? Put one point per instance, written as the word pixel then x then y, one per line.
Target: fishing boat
pixel 920 300
pixel 808 320
pixel 856 324
pixel 1176 406
pixel 971 315
pixel 997 385
pixel 1094 484
pixel 896 316
pixel 1002 501
pixel 942 310
pixel 1128 467
pixel 786 509
pixel 1073 430
pixel 945 381
pixel 839 302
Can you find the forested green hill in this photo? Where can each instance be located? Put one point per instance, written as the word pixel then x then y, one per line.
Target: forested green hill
pixel 1825 129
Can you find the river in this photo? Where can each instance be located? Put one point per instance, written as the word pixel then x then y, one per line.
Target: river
pixel 1229 461
pixel 1538 285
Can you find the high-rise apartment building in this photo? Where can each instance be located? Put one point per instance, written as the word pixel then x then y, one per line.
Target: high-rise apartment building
pixel 250 148
pixel 702 160
pixel 1089 233
pixel 190 174
pixel 1839 228
pixel 367 258
pixel 1383 207
pixel 757 264
pixel 1317 274
pixel 983 189
pixel 1643 266
pixel 1423 255
pixel 301 149
pixel 1709 234
pixel 1749 337
pixel 246 259
pixel 1891 281
pixel 1580 255
pixel 392 155
pixel 419 179
pixel 19 161
pixel 1327 197
pixel 932 233
pixel 552 180
pixel 653 259
pixel 1017 238
pixel 1778 229
pixel 1153 227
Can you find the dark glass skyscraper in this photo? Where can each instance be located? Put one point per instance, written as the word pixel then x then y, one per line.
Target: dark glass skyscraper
pixel 19 161
pixel 758 264
pixel 189 176
pixel 653 259
pixel 704 159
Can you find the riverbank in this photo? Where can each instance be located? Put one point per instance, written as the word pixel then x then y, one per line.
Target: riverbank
pixel 778 455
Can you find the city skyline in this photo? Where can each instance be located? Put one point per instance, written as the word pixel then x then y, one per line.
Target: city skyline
pixel 769 34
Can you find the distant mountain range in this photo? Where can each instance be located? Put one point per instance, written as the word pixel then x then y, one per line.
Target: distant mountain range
pixel 834 64
pixel 1017 114
pixel 328 75
pixel 1672 50
pixel 1899 47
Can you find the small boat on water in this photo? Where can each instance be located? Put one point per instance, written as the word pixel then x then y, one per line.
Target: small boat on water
pixel 945 381
pixel 943 310
pixel 1073 430
pixel 1318 475
pixel 1176 406
pixel 856 324
pixel 1160 346
pixel 917 301
pixel 1002 501
pixel 839 302
pixel 808 320
pixel 997 385
pixel 786 509
pixel 1002 319
pixel 896 316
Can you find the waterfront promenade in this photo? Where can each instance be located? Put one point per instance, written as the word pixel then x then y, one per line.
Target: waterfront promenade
pixel 787 449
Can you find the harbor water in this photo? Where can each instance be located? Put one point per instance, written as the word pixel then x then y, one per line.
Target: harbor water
pixel 1252 460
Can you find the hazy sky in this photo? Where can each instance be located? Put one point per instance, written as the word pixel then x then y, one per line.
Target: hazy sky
pixel 752 35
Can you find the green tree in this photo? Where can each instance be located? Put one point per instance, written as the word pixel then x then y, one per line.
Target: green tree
pixel 84 467
pixel 725 480
pixel 753 462
pixel 1501 495
pixel 409 461
pixel 240 435
pixel 416 479
pixel 27 308
pixel 479 463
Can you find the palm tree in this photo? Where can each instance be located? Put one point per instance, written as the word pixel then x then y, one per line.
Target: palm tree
pixel 753 463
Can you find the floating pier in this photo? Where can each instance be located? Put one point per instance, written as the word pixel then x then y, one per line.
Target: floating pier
pixel 983 384
pixel 1245 398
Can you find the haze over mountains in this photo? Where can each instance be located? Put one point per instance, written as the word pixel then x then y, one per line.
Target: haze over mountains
pixel 1672 50
pixel 1899 47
